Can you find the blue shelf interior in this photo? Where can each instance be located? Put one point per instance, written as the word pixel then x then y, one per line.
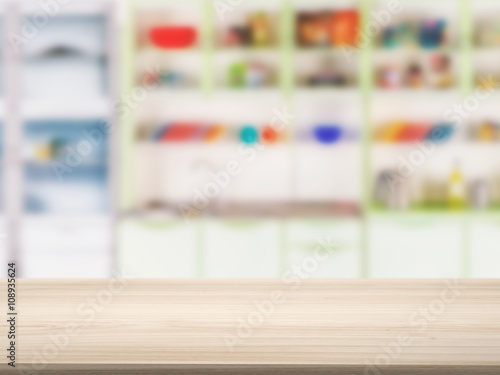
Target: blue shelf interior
pixel 66 167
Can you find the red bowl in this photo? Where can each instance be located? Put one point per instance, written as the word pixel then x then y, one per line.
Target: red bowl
pixel 172 36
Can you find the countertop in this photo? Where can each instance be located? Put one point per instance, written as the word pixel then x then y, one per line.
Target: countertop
pixel 287 326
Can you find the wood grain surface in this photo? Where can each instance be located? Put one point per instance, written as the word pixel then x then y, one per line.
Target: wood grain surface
pixel 289 326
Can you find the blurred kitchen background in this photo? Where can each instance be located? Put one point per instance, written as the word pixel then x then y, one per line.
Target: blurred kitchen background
pixel 217 138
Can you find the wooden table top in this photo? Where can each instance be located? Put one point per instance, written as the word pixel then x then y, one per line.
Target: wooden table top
pixel 360 326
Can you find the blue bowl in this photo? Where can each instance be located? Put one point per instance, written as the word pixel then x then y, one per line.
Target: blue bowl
pixel 327 134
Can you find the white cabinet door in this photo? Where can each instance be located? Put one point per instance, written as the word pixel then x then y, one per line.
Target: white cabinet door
pixel 418 247
pixel 241 248
pixel 324 248
pixel 66 248
pixel 485 248
pixel 157 248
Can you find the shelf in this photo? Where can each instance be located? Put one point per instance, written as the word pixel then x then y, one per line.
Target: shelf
pixel 242 92
pixel 275 49
pixel 69 58
pixel 63 108
pixel 322 49
pixel 450 144
pixel 445 213
pixel 487 49
pixel 426 92
pixel 199 143
pixel 333 90
pixel 84 166
pixel 409 50
pixel 164 92
pixel 260 210
pixel 70 10
pixel 415 214
pixel 411 144
pixel 152 52
pixel 49 219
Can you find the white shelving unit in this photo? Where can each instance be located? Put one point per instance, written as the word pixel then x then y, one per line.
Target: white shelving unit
pixel 239 244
